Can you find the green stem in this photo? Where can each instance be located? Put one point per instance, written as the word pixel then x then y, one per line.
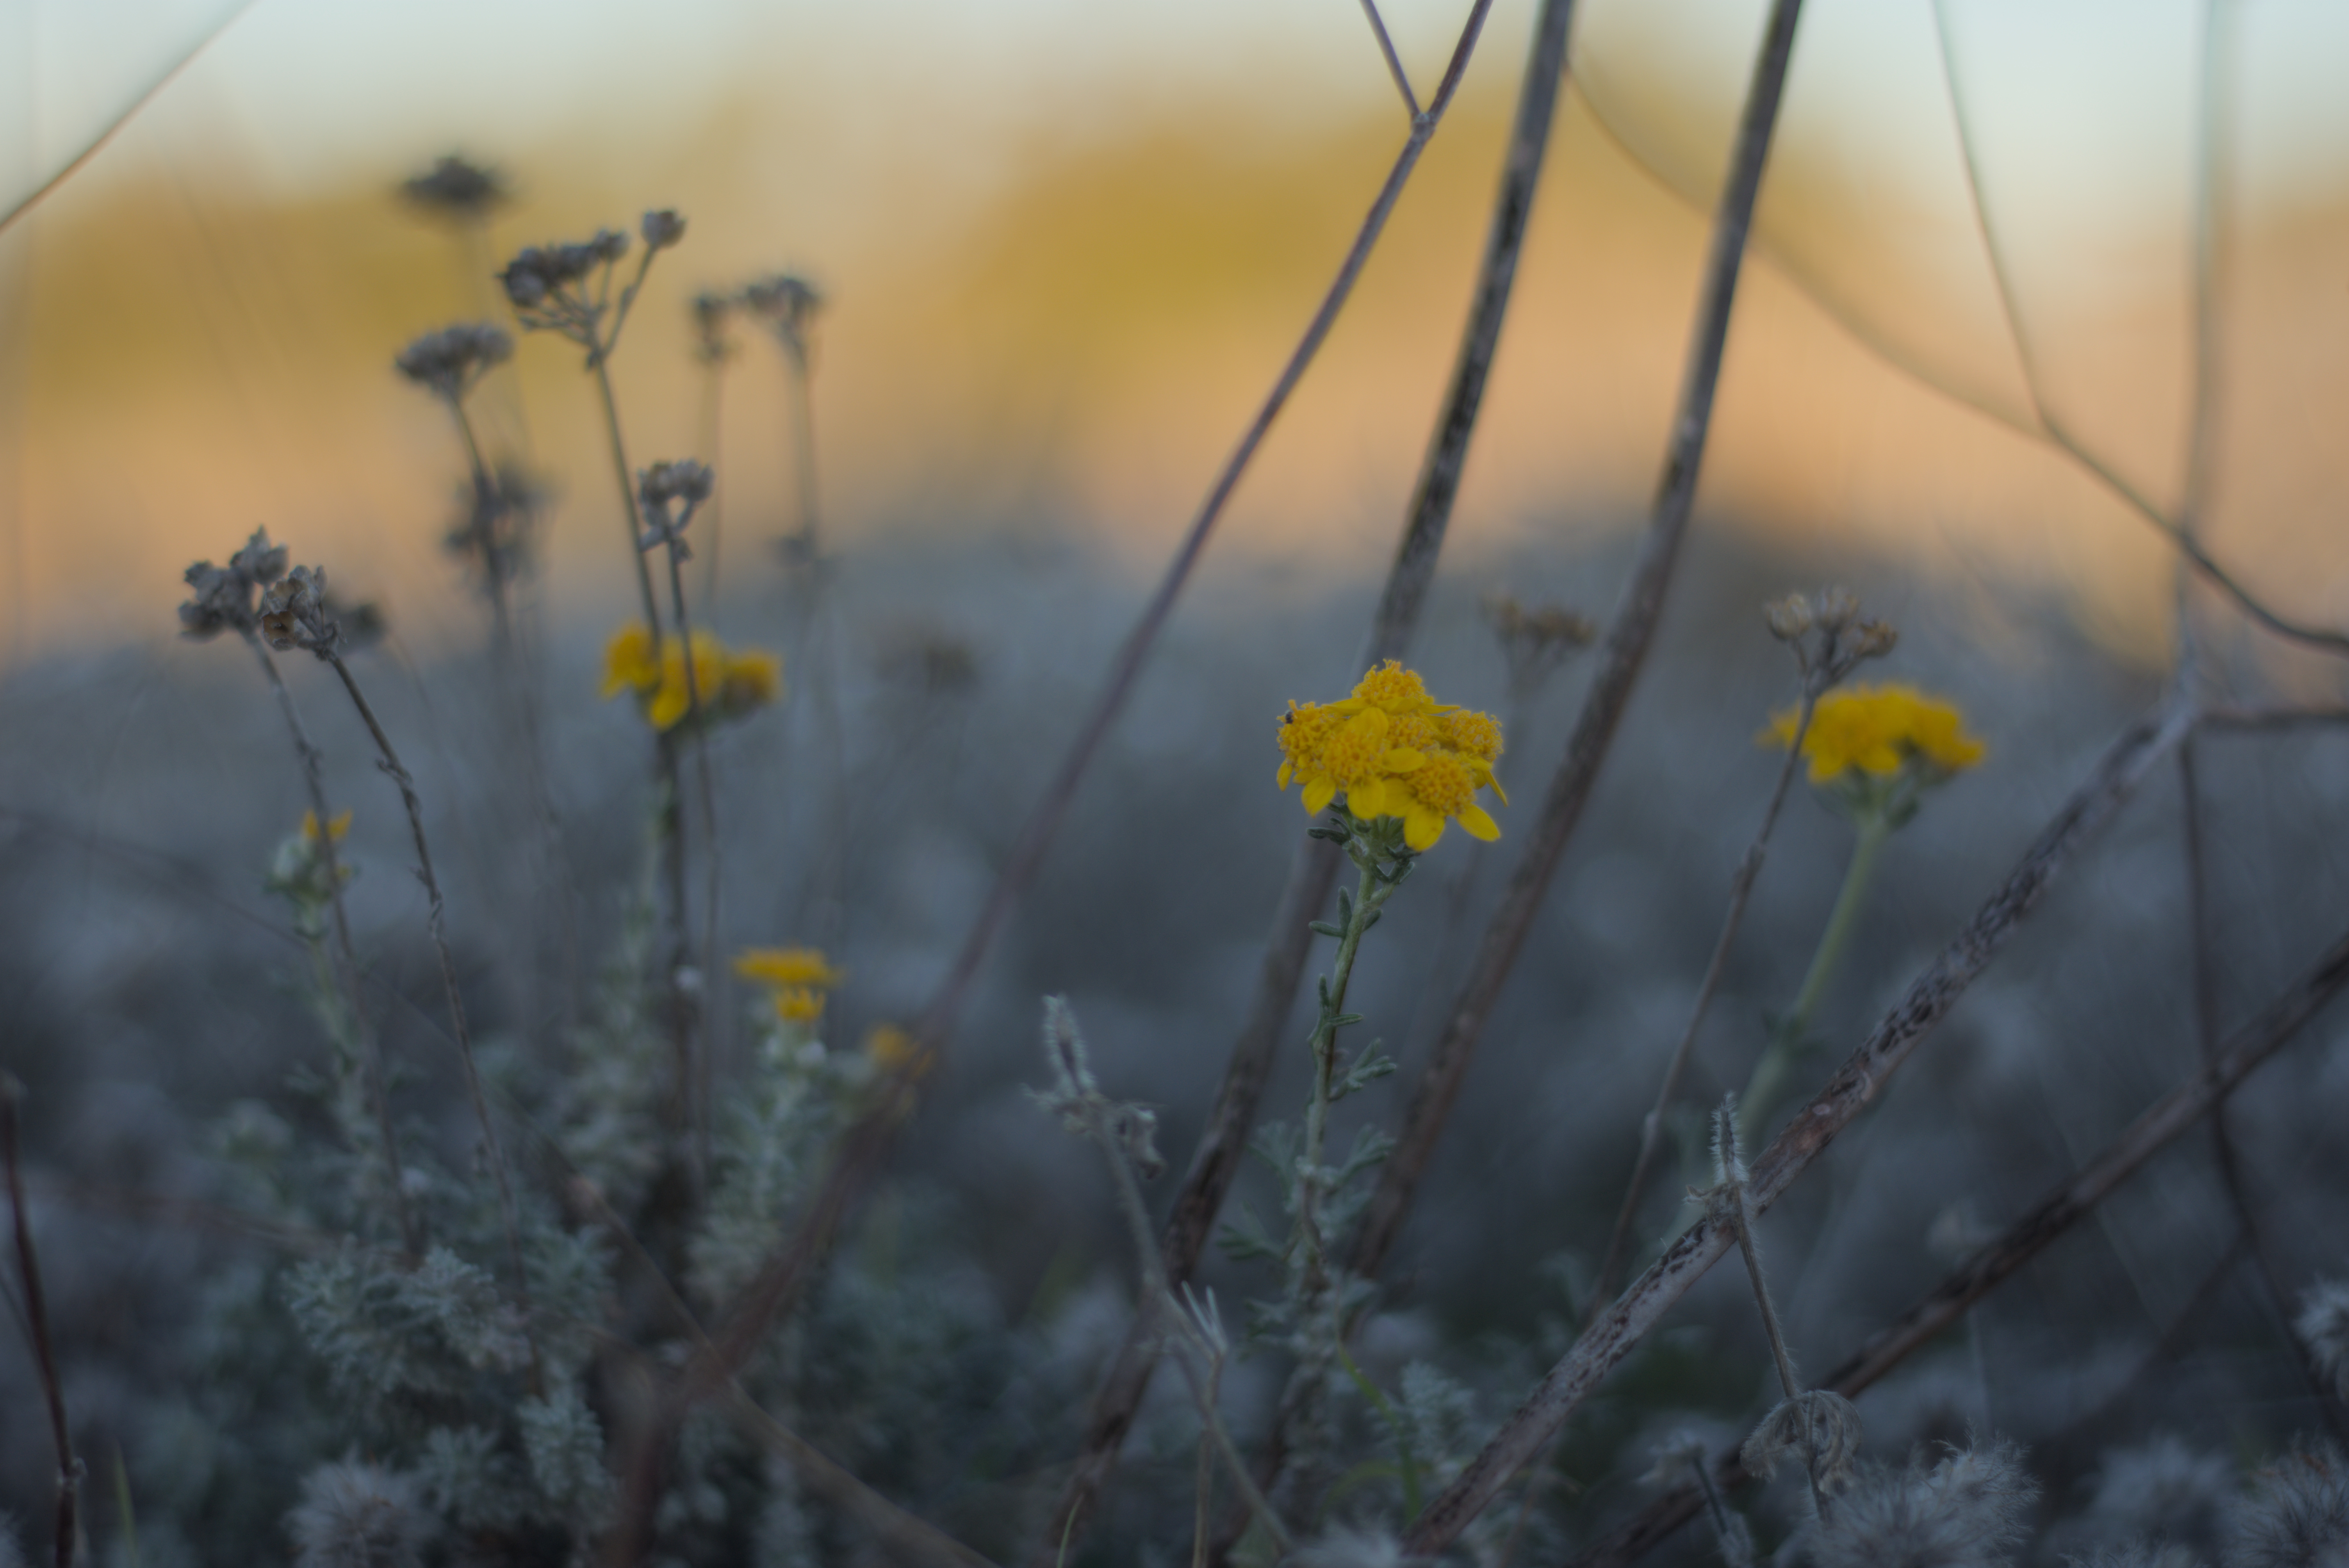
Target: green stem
pixel 1368 893
pixel 1786 1039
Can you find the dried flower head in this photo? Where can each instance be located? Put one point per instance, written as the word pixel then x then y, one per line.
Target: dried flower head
pixel 496 525
pixel 1818 1428
pixel 355 1515
pixel 661 229
pixel 1394 751
pixel 711 313
pixel 2297 1515
pixel 567 289
pixel 1970 1510
pixel 1534 641
pixel 1829 636
pixel 669 493
pixel 224 595
pixel 787 306
pixel 456 189
pixel 294 613
pixel 450 363
pixel 2324 1326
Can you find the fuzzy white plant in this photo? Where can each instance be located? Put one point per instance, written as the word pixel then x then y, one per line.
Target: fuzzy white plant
pixel 2297 1515
pixel 1971 1509
pixel 355 1515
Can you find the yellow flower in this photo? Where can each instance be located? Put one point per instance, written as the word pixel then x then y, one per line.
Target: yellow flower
pixel 1396 751
pixel 729 683
pixel 337 830
pixel 799 1004
pixel 628 663
pixel 892 1049
pixel 788 968
pixel 1878 730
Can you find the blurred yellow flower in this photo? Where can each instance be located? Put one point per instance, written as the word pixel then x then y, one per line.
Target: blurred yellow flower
pixel 892 1049
pixel 1878 730
pixel 799 1004
pixel 1396 751
pixel 337 830
pixel 729 683
pixel 788 968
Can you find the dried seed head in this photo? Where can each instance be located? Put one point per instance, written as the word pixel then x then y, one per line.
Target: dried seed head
pixel 1789 617
pixel 2324 1326
pixel 2297 1515
pixel 456 189
pixel 1971 1510
pixel 661 229
pixel 1137 1133
pixel 224 595
pixel 1818 1430
pixel 448 363
pixel 681 480
pixel 294 613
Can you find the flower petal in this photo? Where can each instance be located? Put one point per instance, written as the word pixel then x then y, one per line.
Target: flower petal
pixel 1367 799
pixel 1421 826
pixel 1479 823
pixel 1287 769
pixel 1319 790
pixel 1402 759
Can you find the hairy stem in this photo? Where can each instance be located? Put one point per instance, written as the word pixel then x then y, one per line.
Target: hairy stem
pixel 436 924
pixel 1788 1035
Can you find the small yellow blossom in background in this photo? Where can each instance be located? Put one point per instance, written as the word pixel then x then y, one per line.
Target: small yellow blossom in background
pixel 1394 751
pixel 1878 730
pixel 337 830
pixel 892 1049
pixel 789 968
pixel 729 683
pixel 799 1004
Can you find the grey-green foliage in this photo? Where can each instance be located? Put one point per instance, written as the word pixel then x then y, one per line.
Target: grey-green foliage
pixel 566 1445
pixel 1969 1509
pixel 614 1083
pixel 355 1515
pixel 771 1134
pixel 2297 1513
pixel 383 1329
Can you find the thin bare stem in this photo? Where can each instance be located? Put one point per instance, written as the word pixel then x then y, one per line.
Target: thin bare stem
pixel 2060 435
pixel 37 1322
pixel 314 780
pixel 1741 888
pixel 1620 657
pixel 1616 1332
pixel 1313 863
pixel 697 1105
pixel 459 1031
pixel 1395 61
pixel 629 515
pixel 2273 719
pixel 2039 1227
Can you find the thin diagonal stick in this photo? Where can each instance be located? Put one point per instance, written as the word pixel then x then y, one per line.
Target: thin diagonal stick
pixel 1313 864
pixel 1625 650
pixel 2055 430
pixel 2039 1227
pixel 1616 1332
pixel 1749 871
pixel 1395 61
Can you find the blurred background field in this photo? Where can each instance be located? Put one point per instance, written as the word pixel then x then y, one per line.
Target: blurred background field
pixel 1064 249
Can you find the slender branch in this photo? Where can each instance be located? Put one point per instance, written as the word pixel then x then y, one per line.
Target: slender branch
pixel 1313 863
pixel 693 1087
pixel 434 922
pixel 2039 1227
pixel 1395 61
pixel 1615 1333
pixel 314 780
pixel 1620 658
pixel 630 516
pixel 37 1322
pixel 2273 719
pixel 2057 432
pixel 1741 888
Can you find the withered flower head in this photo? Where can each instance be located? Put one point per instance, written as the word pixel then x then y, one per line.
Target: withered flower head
pixel 224 594
pixel 787 305
pixel 448 363
pixel 662 228
pixel 294 614
pixel 669 493
pixel 456 189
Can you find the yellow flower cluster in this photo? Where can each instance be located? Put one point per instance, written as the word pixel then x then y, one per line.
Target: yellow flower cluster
pixel 797 978
pixel 1880 730
pixel 1396 752
pixel 730 684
